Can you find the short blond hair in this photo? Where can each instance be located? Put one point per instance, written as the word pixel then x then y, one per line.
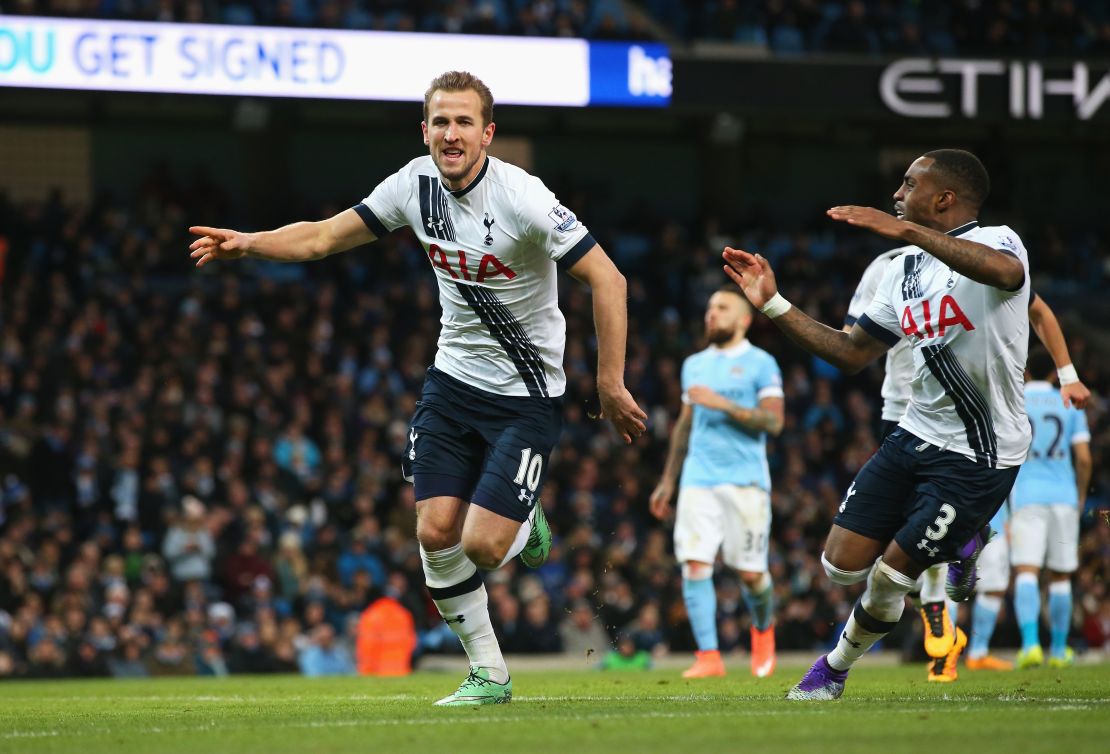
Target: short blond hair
pixel 461 81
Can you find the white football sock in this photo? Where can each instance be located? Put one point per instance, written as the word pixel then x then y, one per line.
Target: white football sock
pixel 875 615
pixel 460 595
pixel 521 540
pixel 932 583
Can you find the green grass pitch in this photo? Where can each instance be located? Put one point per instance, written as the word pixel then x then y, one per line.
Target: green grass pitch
pixel 885 709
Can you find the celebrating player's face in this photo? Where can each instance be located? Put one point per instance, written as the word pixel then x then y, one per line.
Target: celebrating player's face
pixel 456 136
pixel 726 316
pixel 913 200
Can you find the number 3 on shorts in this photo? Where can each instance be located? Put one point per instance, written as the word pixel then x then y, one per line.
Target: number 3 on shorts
pixel 531 466
pixel 946 517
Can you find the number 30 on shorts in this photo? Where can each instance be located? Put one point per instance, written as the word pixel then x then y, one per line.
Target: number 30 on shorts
pixel 531 468
pixel 944 520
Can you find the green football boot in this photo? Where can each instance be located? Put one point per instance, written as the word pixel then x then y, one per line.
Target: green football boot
pixel 538 547
pixel 478 689
pixel 1031 658
pixel 1065 660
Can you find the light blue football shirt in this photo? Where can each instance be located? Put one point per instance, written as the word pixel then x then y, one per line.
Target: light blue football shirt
pixel 1047 476
pixel 720 450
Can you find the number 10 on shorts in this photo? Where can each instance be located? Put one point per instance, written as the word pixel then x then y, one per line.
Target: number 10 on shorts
pixel 530 470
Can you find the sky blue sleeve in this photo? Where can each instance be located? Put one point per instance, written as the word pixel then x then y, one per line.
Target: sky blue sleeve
pixel 769 381
pixel 1079 431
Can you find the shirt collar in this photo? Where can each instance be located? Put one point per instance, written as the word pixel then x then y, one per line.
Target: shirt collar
pixel 736 350
pixel 1038 385
pixel 460 193
pixel 966 227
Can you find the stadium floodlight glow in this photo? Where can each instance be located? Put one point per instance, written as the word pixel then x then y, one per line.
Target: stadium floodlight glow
pixel 135 56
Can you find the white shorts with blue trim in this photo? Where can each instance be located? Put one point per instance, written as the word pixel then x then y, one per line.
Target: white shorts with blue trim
pixel 733 520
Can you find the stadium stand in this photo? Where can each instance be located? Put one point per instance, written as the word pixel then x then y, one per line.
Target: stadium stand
pixel 199 470
pixel 781 27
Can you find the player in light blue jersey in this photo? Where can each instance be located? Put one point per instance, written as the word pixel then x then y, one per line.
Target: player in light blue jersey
pixel 994 563
pixel 1044 528
pixel 732 398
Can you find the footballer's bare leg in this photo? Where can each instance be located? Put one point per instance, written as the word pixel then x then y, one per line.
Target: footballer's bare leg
pixel 490 539
pixel 457 589
pixel 848 559
pixel 851 553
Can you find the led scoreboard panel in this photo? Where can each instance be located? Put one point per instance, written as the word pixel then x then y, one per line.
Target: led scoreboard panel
pixel 132 56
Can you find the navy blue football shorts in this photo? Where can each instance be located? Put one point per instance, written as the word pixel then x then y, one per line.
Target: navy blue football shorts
pixel 491 450
pixel 930 501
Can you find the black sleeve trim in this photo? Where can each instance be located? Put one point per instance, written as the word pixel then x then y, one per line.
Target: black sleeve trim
pixel 579 250
pixel 1017 287
pixel 877 331
pixel 1032 297
pixel 849 320
pixel 371 220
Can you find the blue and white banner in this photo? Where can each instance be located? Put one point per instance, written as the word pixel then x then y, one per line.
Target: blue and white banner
pixel 131 56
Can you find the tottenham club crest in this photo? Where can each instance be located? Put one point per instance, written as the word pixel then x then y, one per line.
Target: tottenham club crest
pixel 488 222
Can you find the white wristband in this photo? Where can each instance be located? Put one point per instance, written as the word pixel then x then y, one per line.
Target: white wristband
pixel 1067 375
pixel 776 307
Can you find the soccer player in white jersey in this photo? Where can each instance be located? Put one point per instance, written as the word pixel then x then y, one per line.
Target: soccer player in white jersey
pixel 994 562
pixel 943 639
pixel 960 297
pixel 490 411
pixel 732 399
pixel 1050 492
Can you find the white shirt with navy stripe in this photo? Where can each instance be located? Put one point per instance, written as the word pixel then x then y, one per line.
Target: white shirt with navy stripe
pixel 899 359
pixel 969 344
pixel 495 247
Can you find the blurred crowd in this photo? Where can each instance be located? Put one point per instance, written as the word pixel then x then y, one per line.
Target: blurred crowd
pixel 785 27
pixel 199 469
pixel 1065 28
pixel 596 19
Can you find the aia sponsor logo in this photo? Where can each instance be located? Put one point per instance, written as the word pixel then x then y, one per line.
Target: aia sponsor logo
pixel 921 325
pixel 487 267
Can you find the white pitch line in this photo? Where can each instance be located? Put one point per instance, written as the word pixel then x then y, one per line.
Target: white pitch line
pixel 276 699
pixel 1069 705
pixel 389 722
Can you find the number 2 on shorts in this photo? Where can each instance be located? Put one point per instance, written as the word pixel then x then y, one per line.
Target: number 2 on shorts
pixel 946 517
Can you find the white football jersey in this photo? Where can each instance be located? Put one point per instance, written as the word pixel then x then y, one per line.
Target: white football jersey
pixel 968 341
pixel 899 359
pixel 493 246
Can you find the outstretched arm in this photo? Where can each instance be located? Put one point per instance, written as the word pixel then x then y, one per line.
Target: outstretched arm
pixel 848 351
pixel 611 320
pixel 974 260
pixel 1047 327
pixel 299 242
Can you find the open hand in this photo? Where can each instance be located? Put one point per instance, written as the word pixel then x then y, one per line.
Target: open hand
pixel 217 243
pixel 1075 395
pixel 660 501
pixel 619 407
pixel 700 395
pixel 752 273
pixel 871 219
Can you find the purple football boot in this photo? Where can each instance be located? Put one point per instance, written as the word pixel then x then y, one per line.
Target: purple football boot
pixel 821 683
pixel 962 573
